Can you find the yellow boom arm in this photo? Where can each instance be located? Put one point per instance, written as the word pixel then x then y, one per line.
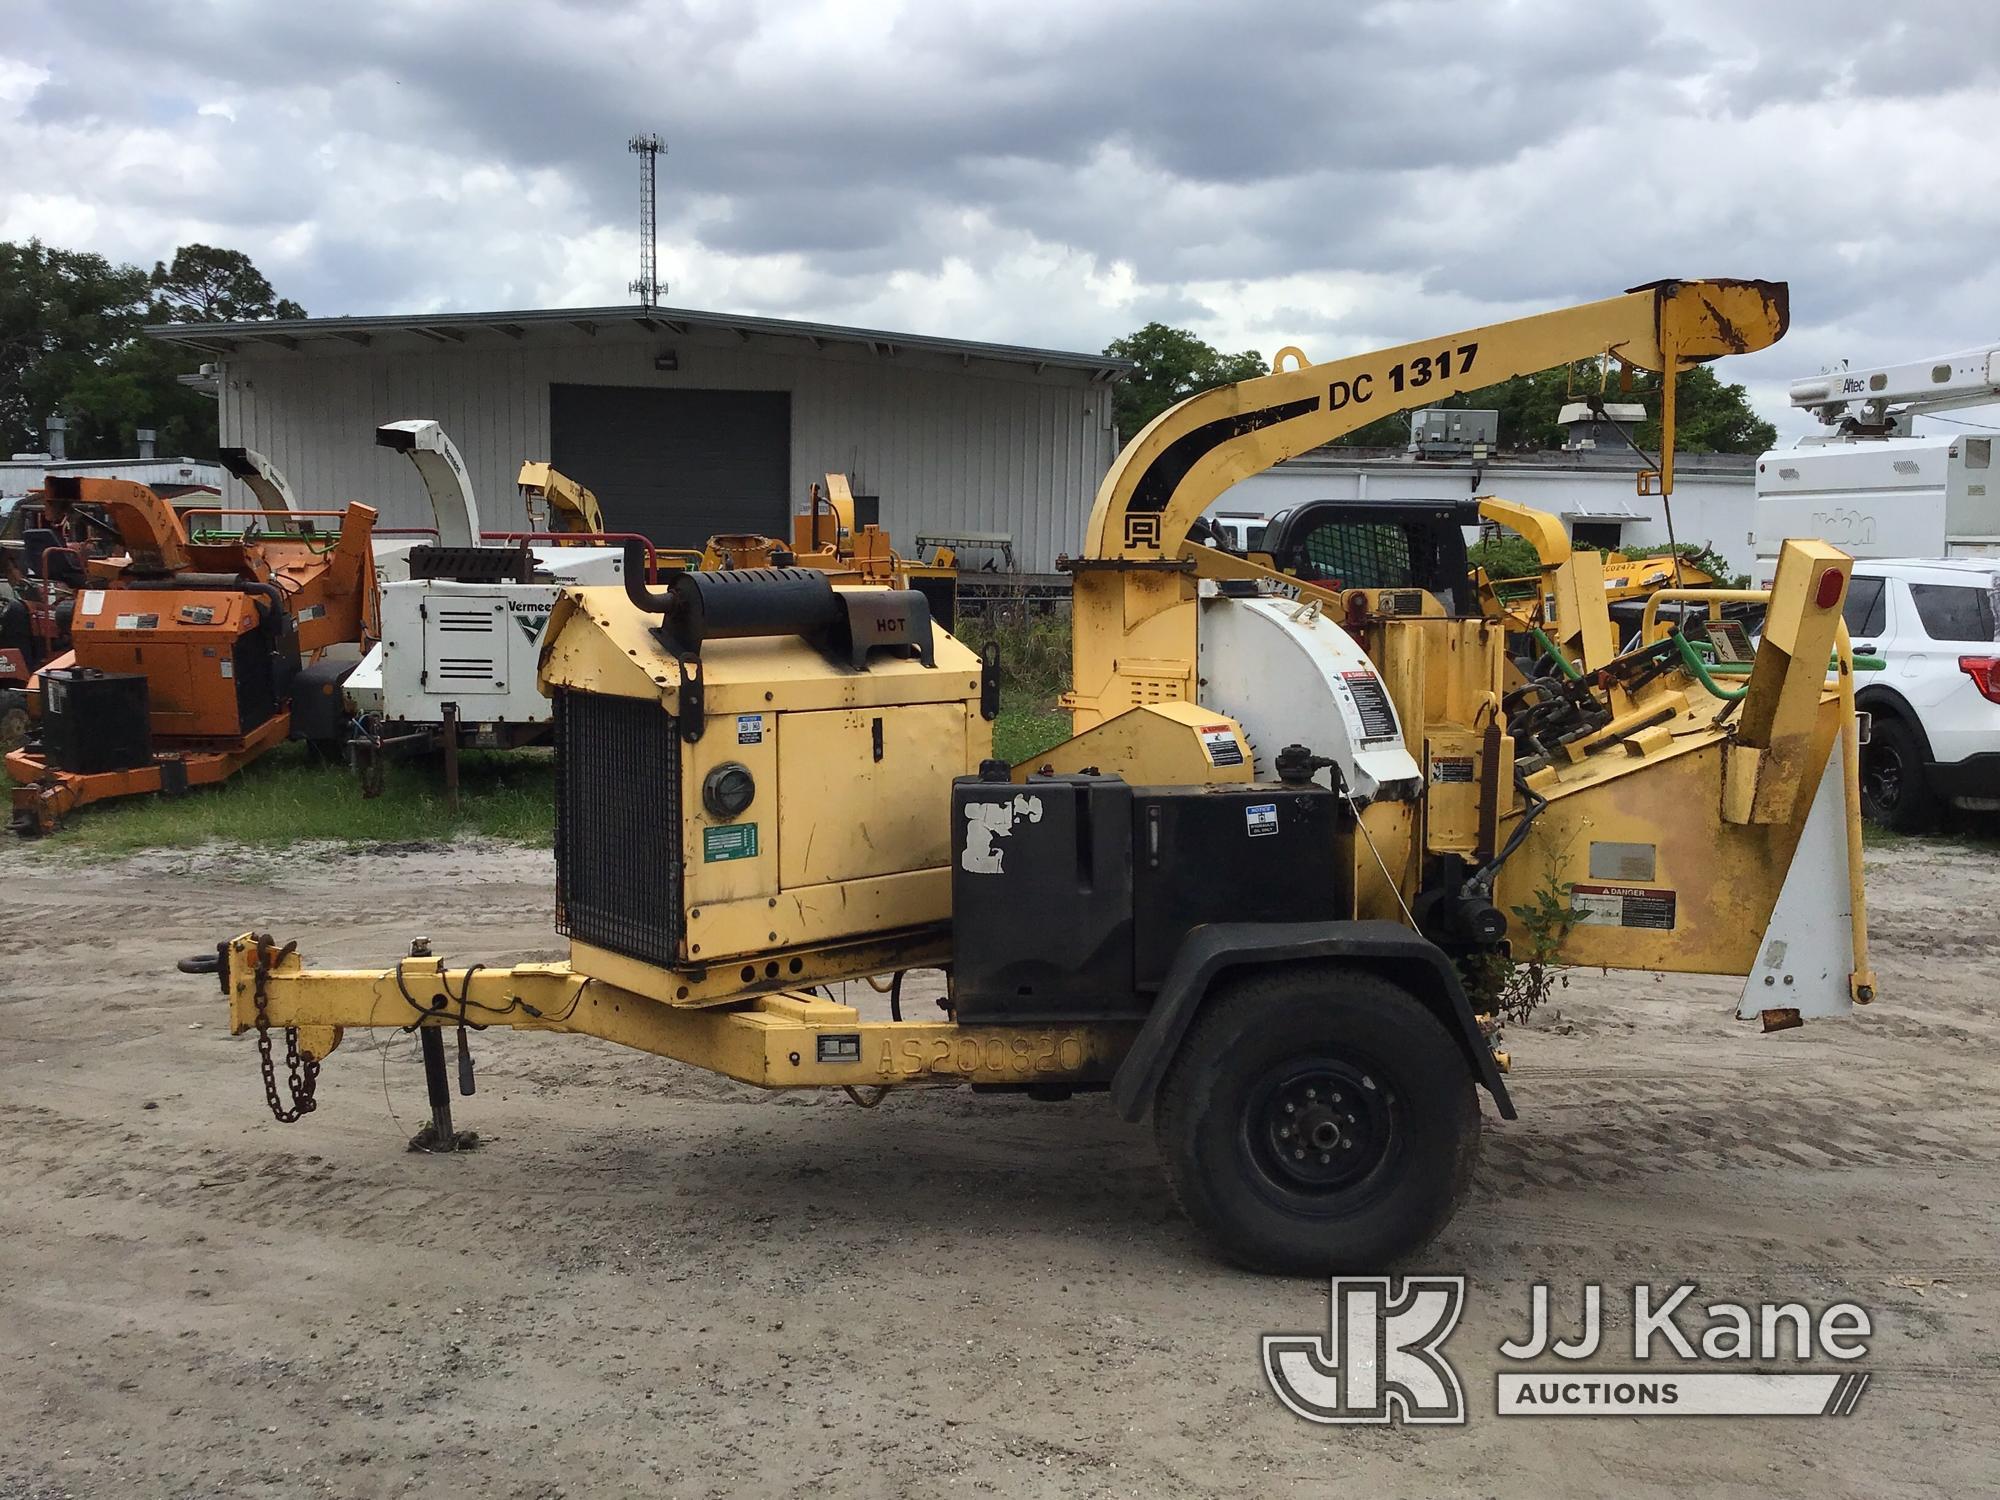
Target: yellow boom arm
pixel 571 506
pixel 1133 642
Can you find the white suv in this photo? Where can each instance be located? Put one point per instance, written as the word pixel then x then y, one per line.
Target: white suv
pixel 1935 739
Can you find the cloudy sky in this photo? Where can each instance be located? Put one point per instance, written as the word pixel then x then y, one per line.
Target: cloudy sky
pixel 1338 176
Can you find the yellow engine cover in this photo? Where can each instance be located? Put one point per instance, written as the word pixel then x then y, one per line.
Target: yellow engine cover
pixel 846 833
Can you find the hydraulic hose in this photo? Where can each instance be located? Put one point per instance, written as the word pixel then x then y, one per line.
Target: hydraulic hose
pixel 1482 878
pixel 1563 664
pixel 1691 659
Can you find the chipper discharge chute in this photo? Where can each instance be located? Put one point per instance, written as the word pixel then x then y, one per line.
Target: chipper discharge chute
pixel 1267 894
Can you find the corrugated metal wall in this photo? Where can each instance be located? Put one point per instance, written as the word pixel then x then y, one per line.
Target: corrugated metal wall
pixel 984 447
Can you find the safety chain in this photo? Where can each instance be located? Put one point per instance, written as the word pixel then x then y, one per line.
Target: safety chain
pixel 302 1072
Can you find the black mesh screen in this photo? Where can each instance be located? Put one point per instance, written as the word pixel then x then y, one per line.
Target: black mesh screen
pixel 618 825
pixel 1359 555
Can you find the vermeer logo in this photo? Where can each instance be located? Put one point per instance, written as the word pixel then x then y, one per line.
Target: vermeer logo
pixel 1381 1360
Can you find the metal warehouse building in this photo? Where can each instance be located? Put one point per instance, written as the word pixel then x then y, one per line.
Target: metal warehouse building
pixel 684 423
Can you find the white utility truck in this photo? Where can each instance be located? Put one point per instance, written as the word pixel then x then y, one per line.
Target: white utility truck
pixel 1869 484
pixel 1921 516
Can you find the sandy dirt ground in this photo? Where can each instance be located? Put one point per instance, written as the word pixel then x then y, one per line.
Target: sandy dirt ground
pixel 654 1282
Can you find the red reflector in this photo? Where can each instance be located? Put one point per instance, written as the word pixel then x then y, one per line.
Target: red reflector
pixel 1830 586
pixel 1985 674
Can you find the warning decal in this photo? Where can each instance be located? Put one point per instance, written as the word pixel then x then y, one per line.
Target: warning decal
pixel 1622 906
pixel 1371 703
pixel 1262 819
pixel 749 729
pixel 1218 741
pixel 1452 768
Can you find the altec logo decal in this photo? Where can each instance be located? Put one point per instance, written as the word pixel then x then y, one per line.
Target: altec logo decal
pixel 1382 1359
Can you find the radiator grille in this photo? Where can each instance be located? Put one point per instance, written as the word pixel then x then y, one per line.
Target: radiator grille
pixel 618 825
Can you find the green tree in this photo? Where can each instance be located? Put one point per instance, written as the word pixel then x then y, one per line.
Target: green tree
pixel 206 284
pixel 1172 365
pixel 61 311
pixel 1710 417
pixel 70 344
pixel 136 386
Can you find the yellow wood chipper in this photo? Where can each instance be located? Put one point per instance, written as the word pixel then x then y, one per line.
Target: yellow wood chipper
pixel 1262 895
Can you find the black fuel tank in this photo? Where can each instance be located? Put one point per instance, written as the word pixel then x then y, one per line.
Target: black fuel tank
pixel 1041 898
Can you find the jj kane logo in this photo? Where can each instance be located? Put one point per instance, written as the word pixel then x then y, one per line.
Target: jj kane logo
pixel 1382 1358
pixel 1382 1361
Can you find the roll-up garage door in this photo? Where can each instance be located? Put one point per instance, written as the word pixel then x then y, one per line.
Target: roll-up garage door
pixel 678 466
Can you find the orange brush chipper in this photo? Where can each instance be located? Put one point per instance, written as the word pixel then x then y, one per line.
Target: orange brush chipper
pixel 186 656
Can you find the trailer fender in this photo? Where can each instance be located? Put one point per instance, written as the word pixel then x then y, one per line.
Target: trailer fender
pixel 319 709
pixel 1209 952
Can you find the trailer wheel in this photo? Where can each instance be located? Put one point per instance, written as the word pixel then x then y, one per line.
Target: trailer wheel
pixel 1317 1119
pixel 14 720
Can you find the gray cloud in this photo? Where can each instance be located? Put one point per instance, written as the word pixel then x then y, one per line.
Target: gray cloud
pixel 1332 175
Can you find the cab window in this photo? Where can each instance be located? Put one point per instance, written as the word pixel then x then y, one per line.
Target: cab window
pixel 1866 609
pixel 1951 612
pixel 1359 555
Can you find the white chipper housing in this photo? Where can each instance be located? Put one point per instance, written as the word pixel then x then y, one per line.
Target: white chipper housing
pixel 462 618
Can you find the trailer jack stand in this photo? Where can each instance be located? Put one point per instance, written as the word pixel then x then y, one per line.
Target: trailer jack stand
pixel 438 1135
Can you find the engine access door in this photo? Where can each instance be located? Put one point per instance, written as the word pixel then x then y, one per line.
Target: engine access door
pixel 465 644
pixel 862 791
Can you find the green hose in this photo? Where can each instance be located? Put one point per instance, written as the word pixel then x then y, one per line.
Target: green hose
pixel 1862 663
pixel 1691 659
pixel 1563 663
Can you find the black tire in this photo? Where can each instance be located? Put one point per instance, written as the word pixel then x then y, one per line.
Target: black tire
pixel 14 720
pixel 1371 1076
pixel 1895 792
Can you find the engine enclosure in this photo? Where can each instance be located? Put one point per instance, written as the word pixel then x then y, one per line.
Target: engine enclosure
pixel 218 662
pixel 846 834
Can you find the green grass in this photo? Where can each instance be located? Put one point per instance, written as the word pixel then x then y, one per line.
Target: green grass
pixel 1034 652
pixel 1021 732
pixel 1034 673
pixel 286 798
pixel 1978 831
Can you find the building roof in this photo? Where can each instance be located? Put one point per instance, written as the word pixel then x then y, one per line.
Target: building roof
pixel 406 330
pixel 1633 412
pixel 1601 460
